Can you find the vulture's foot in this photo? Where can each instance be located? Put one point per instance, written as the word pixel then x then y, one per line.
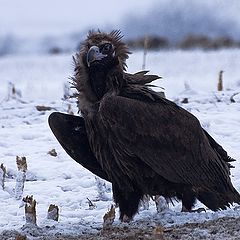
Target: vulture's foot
pixel 198 210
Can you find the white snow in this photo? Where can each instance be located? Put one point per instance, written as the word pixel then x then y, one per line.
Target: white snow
pixel 24 131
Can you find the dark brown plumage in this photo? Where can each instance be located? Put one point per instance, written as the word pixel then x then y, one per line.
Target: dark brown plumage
pixel 141 142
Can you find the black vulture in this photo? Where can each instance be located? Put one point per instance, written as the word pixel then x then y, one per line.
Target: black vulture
pixel 136 139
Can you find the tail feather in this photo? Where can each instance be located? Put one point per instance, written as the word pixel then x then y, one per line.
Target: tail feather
pixel 219 150
pixel 216 201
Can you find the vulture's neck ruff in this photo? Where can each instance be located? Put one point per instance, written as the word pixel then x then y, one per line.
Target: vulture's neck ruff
pixel 100 60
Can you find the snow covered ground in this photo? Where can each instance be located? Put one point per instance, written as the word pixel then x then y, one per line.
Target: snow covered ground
pixel 59 180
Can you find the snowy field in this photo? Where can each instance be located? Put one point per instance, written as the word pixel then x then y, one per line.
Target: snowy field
pixel 24 131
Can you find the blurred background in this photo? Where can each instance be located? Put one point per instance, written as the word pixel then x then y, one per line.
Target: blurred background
pixel 54 26
pixel 188 42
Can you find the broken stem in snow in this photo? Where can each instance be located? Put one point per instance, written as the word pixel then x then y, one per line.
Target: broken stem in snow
pixel 145 52
pixel 2 175
pixel 21 176
pixel 53 212
pixel 91 204
pixel 108 218
pixel 220 81
pixel 30 210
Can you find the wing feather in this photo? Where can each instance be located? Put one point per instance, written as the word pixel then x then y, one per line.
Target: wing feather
pixel 140 78
pixel 167 138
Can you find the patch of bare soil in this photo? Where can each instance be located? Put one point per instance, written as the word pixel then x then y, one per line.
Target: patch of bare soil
pixel 219 229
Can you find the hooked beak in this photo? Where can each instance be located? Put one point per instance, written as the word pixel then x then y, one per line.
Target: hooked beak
pixel 94 54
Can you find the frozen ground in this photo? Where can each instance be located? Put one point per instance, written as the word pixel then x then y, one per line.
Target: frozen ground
pixel 59 180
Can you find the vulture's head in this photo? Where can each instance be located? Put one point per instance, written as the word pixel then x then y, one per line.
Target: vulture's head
pixel 102 57
pixel 104 50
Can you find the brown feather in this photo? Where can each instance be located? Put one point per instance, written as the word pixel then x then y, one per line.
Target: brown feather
pixel 145 143
pixel 140 78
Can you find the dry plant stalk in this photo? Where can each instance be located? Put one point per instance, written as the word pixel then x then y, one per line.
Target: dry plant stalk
pixel 2 175
pixel 11 91
pixel 146 40
pixel 53 212
pixel 21 163
pixel 14 93
pixel 109 217
pixel 220 81
pixel 21 176
pixel 30 210
pixel 91 204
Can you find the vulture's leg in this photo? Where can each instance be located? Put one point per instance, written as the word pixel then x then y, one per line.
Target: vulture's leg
pixel 71 133
pixel 188 201
pixel 128 202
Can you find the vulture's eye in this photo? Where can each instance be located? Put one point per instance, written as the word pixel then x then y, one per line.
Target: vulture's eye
pixel 106 48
